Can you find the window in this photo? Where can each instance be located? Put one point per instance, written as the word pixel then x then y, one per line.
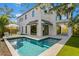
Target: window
pixel 45 11
pixel 58 17
pixel 25 16
pixel 33 29
pixel 67 15
pixel 33 13
pixel 64 17
pixel 45 30
pixel 21 19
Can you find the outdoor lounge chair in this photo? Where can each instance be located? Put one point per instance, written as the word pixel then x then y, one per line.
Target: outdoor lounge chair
pixel 6 34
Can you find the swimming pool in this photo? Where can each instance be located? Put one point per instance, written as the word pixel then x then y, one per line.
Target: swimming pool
pixel 30 47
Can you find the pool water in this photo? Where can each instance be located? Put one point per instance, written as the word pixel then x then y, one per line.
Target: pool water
pixel 30 47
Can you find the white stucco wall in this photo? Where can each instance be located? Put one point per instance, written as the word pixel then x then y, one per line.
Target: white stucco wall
pixel 70 31
pixel 53 21
pixel 28 30
pixel 24 22
pixel 39 15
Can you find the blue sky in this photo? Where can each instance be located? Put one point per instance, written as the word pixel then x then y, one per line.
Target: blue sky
pixel 76 12
pixel 17 7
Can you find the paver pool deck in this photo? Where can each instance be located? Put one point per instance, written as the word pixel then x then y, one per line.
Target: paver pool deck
pixel 4 51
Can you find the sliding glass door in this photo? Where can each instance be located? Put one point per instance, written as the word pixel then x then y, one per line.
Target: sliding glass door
pixel 45 30
pixel 33 29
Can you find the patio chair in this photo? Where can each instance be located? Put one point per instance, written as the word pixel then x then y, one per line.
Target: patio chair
pixel 6 34
pixel 18 33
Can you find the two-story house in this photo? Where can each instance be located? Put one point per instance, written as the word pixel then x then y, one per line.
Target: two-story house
pixel 40 22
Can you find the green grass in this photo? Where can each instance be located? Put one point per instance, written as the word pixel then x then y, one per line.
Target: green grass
pixel 71 48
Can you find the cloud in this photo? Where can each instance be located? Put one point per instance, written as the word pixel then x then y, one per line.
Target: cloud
pixel 17 15
pixel 18 3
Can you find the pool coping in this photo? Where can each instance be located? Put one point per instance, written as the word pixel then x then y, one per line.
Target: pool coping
pixel 55 48
pixel 40 38
pixel 11 49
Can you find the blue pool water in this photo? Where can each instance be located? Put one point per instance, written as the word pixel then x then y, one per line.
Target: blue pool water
pixel 30 47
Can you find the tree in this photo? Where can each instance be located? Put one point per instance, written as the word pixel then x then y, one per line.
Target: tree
pixel 76 19
pixel 3 21
pixel 5 10
pixel 66 8
pixel 5 16
pixel 76 25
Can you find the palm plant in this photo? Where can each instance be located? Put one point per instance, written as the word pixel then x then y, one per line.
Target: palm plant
pixel 5 10
pixel 68 9
pixel 5 15
pixel 76 19
pixel 76 27
pixel 65 9
pixel 3 21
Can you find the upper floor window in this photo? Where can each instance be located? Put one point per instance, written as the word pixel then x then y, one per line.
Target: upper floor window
pixel 21 19
pixel 58 17
pixel 64 17
pixel 33 13
pixel 25 16
pixel 67 16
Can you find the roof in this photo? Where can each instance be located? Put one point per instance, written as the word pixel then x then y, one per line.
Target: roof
pixel 29 10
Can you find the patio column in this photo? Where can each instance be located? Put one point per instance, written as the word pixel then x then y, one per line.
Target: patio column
pixel 24 32
pixel 53 29
pixel 39 28
pixel 70 31
pixel 28 29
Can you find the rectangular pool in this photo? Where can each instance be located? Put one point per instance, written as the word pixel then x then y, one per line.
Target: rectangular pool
pixel 30 47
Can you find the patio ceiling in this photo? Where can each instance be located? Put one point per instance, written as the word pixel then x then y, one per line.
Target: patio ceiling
pixel 43 22
pixel 46 22
pixel 33 22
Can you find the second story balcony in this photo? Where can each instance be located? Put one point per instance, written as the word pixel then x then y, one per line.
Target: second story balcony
pixel 62 18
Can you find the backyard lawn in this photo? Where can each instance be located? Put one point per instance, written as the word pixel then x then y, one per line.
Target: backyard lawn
pixel 71 48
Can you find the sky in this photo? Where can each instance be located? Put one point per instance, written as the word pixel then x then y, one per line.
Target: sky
pixel 76 12
pixel 17 7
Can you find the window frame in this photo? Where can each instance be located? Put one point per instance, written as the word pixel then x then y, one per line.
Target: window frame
pixel 33 13
pixel 25 16
pixel 21 19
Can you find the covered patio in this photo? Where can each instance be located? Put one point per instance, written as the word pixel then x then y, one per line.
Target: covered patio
pixel 39 28
pixel 11 29
pixel 62 29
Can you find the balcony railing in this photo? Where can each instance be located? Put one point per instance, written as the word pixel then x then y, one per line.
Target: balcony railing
pixel 62 20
